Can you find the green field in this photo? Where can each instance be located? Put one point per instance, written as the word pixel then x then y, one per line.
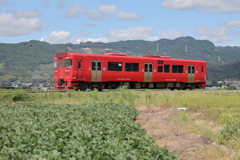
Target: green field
pixel 39 114
pixel 33 130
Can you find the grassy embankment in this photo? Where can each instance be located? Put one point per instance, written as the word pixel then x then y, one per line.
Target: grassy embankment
pixel 212 114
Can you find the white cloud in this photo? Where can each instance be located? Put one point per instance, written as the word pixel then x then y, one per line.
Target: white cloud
pixel 233 24
pixel 106 9
pixel 64 37
pixel 131 33
pixel 58 37
pixel 218 34
pixel 104 39
pixel 74 11
pixel 142 33
pixel 219 6
pixel 234 45
pixel 96 15
pixel 128 16
pixel 168 35
pixel 18 24
pixel 3 2
pixel 136 33
pixel 102 12
pixel 25 14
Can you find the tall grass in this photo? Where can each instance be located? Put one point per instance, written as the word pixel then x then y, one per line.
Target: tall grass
pixel 218 107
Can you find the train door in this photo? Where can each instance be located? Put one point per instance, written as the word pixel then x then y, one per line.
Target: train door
pixel 96 71
pixel 61 69
pixel 148 72
pixel 79 69
pixel 202 74
pixel 191 73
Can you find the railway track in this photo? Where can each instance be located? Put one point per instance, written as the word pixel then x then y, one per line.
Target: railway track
pixel 107 90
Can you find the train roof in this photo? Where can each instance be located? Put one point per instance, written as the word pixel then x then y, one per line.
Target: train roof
pixel 124 55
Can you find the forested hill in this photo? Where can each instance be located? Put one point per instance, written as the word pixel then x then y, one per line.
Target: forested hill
pixel 33 60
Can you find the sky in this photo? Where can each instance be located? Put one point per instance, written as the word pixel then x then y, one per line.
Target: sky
pixel 77 21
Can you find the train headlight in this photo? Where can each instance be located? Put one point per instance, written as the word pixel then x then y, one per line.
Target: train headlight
pixel 60 82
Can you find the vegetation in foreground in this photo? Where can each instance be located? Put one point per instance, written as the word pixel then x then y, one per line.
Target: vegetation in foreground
pixel 219 109
pixel 32 130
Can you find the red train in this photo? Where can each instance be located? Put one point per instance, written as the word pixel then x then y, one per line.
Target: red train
pixel 111 70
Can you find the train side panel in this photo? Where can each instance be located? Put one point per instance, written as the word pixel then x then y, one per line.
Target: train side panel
pixel 82 71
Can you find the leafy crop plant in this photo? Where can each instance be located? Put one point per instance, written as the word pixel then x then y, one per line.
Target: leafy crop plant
pixel 30 130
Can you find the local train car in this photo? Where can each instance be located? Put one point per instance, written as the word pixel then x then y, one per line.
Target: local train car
pixel 111 70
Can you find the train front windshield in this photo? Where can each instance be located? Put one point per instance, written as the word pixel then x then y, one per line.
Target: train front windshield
pixel 68 63
pixel 55 64
pixel 63 63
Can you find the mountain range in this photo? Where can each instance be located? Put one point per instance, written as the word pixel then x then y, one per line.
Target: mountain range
pixel 33 61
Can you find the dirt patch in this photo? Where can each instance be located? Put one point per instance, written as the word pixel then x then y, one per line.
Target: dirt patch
pixel 158 124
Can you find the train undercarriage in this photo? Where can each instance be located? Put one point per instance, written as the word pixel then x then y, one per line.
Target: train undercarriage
pixel 79 85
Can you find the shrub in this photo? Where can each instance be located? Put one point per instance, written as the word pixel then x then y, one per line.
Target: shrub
pixel 232 88
pixel 22 96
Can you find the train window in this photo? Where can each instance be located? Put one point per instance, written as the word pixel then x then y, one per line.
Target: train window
pixel 150 68
pixel 202 69
pixel 180 69
pixel 79 64
pixel 96 65
pixel 132 67
pixel 99 66
pixel 160 62
pixel 191 69
pixel 160 68
pixel 177 69
pixel 68 63
pixel 174 69
pixel 61 64
pixel 114 66
pixel 61 55
pixel 55 64
pixel 166 68
pixel 93 65
pixel 146 67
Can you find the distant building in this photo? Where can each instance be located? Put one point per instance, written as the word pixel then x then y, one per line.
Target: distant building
pixel 15 85
pixel 235 83
pixel 7 86
pixel 27 85
pixel 224 85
